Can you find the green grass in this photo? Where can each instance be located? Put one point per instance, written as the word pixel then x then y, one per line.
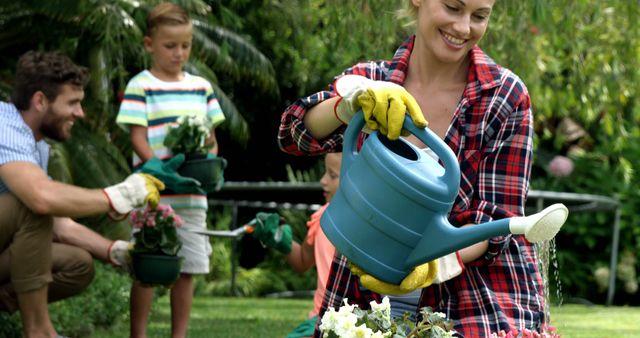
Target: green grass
pixel 580 321
pixel 225 318
pixel 274 318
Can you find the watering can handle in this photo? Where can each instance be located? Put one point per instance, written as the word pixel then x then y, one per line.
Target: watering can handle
pixel 451 176
pixel 350 139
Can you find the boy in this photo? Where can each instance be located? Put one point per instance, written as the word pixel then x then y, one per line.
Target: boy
pixel 153 100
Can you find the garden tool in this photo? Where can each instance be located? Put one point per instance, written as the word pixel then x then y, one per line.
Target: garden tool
pixel 273 232
pixel 389 214
pixel 235 233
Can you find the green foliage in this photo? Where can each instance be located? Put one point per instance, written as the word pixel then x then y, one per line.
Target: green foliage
pixel 104 301
pixel 581 68
pixel 312 41
pixel 271 275
pixel 10 324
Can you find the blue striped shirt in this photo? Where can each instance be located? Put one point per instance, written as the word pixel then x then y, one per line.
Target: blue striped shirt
pixel 17 143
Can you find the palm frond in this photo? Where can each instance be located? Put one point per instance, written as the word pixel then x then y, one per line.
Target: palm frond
pixel 248 62
pixel 60 164
pixel 234 121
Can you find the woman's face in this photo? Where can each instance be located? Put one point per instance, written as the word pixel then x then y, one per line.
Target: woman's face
pixel 450 28
pixel 331 178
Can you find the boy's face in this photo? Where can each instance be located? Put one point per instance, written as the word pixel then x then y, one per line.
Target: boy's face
pixel 169 46
pixel 331 178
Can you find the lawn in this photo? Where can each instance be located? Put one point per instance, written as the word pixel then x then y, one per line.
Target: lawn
pixel 274 318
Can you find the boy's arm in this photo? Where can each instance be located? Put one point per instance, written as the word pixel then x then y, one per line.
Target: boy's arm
pixel 139 142
pixel 212 140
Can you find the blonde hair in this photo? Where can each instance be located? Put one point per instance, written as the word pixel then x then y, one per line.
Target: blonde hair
pixel 408 13
pixel 166 14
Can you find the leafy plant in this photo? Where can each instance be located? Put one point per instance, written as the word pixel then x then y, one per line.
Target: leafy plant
pixel 189 135
pixel 351 321
pixel 156 230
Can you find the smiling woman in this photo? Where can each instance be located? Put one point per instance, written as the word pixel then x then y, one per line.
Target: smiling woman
pixel 482 112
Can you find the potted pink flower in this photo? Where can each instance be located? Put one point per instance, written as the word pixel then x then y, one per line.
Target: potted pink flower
pixel 154 255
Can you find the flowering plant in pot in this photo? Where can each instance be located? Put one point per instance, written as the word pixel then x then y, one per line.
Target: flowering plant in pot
pixel 351 321
pixel 154 254
pixel 189 137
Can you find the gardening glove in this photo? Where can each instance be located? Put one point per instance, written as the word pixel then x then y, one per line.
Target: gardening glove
pixel 272 232
pixel 119 254
pixel 383 103
pixel 167 173
pixel 421 277
pixel 449 267
pixel 220 182
pixel 135 191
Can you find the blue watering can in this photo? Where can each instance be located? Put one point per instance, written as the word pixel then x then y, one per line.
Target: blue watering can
pixel 389 214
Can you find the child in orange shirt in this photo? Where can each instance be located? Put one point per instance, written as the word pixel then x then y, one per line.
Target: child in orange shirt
pixel 314 250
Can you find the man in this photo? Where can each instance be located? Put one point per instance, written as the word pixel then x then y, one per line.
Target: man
pixel 44 254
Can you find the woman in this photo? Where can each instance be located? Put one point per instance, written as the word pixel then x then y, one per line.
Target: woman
pixel 482 111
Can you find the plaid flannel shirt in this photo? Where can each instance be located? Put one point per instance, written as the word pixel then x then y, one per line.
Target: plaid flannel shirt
pixel 492 135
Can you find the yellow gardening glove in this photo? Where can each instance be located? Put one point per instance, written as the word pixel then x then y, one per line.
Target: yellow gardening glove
pixel 421 277
pixel 383 103
pixel 135 191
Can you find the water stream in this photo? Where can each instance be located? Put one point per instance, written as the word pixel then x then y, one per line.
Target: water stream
pixel 548 262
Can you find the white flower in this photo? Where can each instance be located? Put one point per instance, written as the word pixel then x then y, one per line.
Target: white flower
pixel 379 334
pixel 329 320
pixel 440 314
pixel 346 324
pixel 346 308
pixel 362 331
pixel 383 308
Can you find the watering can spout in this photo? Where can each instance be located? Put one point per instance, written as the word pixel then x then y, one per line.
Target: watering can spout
pixel 542 226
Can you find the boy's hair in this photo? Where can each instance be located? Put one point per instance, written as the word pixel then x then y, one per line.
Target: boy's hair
pixel 166 14
pixel 46 72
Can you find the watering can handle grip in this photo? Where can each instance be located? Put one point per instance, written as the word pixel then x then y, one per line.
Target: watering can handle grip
pixel 452 169
pixel 350 140
pixel 451 176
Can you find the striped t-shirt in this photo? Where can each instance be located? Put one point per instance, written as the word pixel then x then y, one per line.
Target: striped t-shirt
pixel 156 104
pixel 17 143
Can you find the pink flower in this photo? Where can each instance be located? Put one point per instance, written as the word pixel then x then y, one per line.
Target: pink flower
pixel 550 332
pixel 178 221
pixel 137 219
pixel 561 166
pixel 162 216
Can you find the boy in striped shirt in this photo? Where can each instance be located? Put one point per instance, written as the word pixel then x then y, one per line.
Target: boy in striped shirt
pixel 153 101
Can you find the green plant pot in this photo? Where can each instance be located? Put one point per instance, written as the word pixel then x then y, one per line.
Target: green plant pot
pixel 208 171
pixel 156 268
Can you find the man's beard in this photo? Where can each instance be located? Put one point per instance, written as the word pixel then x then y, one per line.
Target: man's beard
pixel 53 127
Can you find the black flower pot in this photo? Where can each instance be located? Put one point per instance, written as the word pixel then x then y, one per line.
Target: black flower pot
pixel 208 171
pixel 156 269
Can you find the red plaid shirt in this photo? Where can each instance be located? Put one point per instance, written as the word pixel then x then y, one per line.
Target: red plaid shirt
pixel 492 135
